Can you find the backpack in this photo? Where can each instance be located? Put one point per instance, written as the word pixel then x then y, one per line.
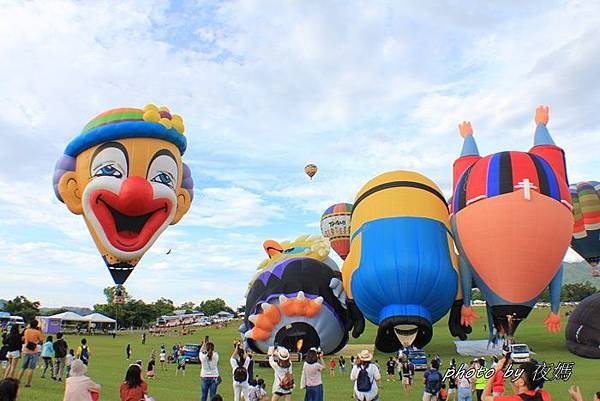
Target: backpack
pixel 84 354
pixel 287 383
pixel 240 374
pixel 363 381
pixel 60 348
pixel 434 382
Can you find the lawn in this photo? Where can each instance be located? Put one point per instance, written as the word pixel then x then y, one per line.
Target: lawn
pixel 108 364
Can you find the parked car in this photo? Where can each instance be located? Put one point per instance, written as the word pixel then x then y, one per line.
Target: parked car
pixel 191 353
pixel 520 353
pixel 418 359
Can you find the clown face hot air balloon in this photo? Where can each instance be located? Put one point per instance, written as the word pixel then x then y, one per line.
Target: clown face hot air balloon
pixel 586 230
pixel 335 226
pixel 125 175
pixel 402 271
pixel 512 225
pixel 297 300
pixel 310 170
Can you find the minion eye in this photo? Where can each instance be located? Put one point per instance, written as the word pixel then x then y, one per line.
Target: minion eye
pixel 163 178
pixel 108 170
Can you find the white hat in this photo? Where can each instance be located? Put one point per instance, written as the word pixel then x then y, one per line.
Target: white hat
pixel 283 354
pixel 365 355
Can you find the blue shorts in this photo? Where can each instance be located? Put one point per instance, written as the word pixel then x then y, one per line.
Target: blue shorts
pixel 30 360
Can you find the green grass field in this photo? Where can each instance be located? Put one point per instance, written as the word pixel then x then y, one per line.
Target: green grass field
pixel 108 364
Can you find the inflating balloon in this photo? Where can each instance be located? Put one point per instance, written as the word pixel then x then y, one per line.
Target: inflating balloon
pixel 402 271
pixel 297 300
pixel 583 328
pixel 310 170
pixel 335 226
pixel 125 175
pixel 512 224
pixel 586 230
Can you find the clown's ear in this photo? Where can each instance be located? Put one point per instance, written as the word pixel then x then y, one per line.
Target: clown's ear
pixel 184 201
pixel 68 188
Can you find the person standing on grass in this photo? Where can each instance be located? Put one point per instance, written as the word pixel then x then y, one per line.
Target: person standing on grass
pixel 239 364
pixel 134 388
pixel 407 371
pixel 32 338
pixel 209 371
pixel 311 379
pixel 163 359
pixel 283 381
pixel 432 378
pixel 452 388
pixel 480 381
pixel 14 342
pixel 60 347
pixel 342 364
pixel 128 351
pixel 83 352
pixel 365 375
pixel 150 373
pixel 47 356
pixel 391 369
pixel 78 386
pixel 332 367
pixel 180 363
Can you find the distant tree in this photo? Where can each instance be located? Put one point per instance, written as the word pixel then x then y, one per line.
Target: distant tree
pixel 109 293
pixel 476 295
pixel 21 306
pixel 545 296
pixel 188 307
pixel 213 306
pixel 163 306
pixel 576 292
pixel 241 309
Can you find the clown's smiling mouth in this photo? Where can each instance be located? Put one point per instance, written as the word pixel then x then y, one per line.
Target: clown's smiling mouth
pixel 129 232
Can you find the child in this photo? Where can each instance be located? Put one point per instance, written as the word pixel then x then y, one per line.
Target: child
pixel 69 360
pixel 180 363
pixel 443 393
pixel 331 367
pixel 163 359
pixel 150 373
pixel 257 390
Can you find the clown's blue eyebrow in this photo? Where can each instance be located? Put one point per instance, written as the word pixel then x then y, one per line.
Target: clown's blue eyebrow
pixel 110 145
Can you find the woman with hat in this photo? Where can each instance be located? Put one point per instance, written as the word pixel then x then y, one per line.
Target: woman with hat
pixel 78 386
pixel 283 385
pixel 365 376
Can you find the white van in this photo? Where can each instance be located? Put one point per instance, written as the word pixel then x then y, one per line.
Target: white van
pixel 519 353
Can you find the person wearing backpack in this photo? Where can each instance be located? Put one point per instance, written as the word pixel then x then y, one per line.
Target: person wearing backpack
pixel 239 363
pixel 525 388
pixel 83 352
pixel 433 382
pixel 283 383
pixel 60 354
pixel 311 379
pixel 365 376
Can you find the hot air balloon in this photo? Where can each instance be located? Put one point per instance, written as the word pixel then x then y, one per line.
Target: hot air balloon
pixel 586 230
pixel 310 170
pixel 402 271
pixel 583 328
pixel 335 226
pixel 125 175
pixel 297 300
pixel 512 224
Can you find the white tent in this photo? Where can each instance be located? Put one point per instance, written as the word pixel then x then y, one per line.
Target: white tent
pixel 69 317
pixel 98 318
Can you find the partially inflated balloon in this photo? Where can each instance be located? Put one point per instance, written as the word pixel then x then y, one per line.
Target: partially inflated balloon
pixel 125 174
pixel 583 329
pixel 586 229
pixel 310 170
pixel 335 226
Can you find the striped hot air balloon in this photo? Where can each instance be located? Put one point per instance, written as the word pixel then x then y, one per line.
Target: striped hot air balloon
pixel 335 226
pixel 586 229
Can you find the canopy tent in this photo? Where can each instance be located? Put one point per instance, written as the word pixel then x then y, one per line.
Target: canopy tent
pixel 69 317
pixel 99 318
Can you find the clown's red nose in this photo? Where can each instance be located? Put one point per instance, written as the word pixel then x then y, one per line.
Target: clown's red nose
pixel 136 193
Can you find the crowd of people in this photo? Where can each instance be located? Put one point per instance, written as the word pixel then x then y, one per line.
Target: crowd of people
pixel 59 361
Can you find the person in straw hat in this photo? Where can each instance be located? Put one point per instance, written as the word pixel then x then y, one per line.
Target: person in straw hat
pixel 283 384
pixel 78 386
pixel 365 376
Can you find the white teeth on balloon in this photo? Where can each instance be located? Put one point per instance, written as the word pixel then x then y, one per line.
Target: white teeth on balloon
pixel 300 295
pixel 266 306
pixel 282 299
pixel 318 300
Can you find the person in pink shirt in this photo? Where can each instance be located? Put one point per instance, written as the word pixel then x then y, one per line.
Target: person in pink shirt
pixel 311 376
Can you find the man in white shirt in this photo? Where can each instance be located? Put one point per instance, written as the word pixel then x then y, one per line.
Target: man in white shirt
pixel 365 376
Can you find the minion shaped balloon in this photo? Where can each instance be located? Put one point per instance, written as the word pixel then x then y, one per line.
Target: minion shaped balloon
pixel 125 175
pixel 512 223
pixel 402 270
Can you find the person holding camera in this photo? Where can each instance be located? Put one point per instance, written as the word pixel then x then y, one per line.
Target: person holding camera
pixel 239 362
pixel 209 370
pixel 311 379
pixel 526 387
pixel 283 384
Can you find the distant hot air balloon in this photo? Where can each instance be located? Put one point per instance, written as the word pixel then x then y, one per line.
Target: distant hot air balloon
pixel 586 230
pixel 310 170
pixel 335 226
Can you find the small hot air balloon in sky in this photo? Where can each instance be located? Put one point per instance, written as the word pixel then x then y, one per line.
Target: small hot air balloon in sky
pixel 586 229
pixel 335 226
pixel 310 170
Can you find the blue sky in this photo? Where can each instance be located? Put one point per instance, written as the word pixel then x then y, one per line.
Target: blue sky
pixel 265 87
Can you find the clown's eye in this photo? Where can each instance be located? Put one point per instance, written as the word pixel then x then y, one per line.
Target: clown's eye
pixel 108 170
pixel 163 178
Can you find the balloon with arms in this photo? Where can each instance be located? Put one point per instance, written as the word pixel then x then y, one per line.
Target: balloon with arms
pixel 125 175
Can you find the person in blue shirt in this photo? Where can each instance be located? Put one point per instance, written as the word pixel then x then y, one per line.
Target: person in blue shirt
pixel 47 356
